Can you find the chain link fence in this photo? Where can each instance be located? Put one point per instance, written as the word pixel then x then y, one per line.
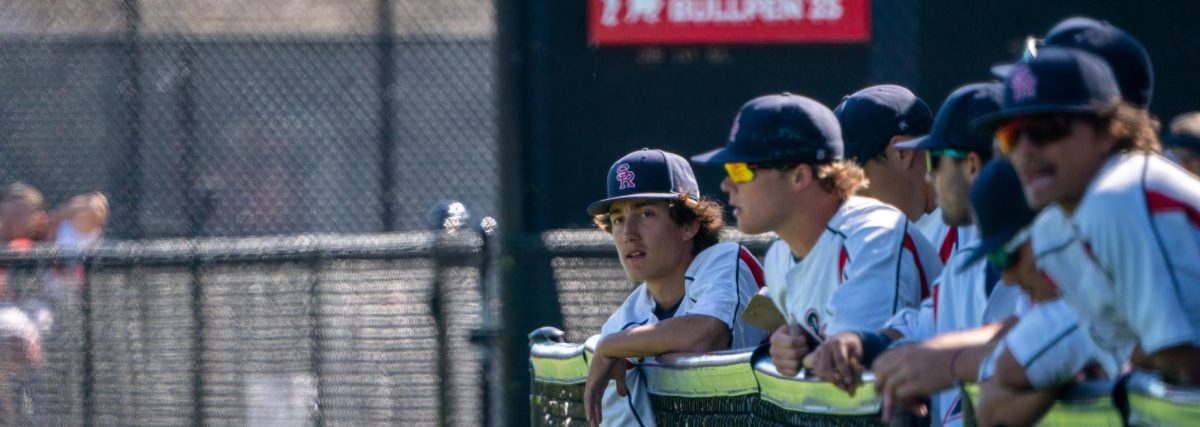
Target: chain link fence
pixel 224 118
pixel 295 331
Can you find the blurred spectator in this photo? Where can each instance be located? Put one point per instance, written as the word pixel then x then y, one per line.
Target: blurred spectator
pixel 1183 141
pixel 20 348
pixel 78 223
pixel 23 217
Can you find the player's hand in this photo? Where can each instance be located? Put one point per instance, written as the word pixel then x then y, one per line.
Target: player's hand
pixel 789 345
pixel 600 372
pixel 839 361
pixel 913 372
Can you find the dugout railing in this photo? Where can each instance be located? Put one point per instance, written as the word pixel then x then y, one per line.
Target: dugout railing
pixel 743 388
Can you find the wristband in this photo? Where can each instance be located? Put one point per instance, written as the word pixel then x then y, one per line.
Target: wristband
pixel 873 344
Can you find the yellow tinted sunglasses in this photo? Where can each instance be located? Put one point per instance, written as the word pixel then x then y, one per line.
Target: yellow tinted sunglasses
pixel 741 172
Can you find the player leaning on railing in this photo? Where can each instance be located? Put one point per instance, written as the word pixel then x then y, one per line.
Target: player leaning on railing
pixel 1046 350
pixel 1136 216
pixel 693 289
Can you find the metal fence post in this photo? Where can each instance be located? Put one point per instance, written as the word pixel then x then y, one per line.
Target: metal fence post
pixel 437 310
pixel 314 314
pixel 89 367
pixel 197 340
pixel 131 95
pixel 387 143
pixel 484 335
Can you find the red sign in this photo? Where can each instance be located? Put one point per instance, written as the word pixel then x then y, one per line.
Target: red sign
pixel 641 22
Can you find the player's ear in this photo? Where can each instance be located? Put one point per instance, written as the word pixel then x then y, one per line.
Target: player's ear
pixel 905 156
pixel 974 165
pixel 690 229
pixel 802 175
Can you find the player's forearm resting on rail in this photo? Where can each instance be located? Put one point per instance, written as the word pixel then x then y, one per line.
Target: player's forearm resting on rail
pixel 690 334
pixel 1001 406
pixel 919 370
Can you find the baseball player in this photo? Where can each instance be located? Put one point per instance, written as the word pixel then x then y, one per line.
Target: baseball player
pixel 1183 141
pixel 842 262
pixel 964 298
pixel 1046 349
pixel 1077 144
pixel 1129 60
pixel 693 288
pixel 873 121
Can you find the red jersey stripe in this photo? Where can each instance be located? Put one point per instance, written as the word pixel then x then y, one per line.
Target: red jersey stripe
pixel 948 244
pixel 911 246
pixel 1162 203
pixel 755 268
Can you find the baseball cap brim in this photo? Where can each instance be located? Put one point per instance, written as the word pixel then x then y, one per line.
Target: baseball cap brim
pixel 719 156
pixel 1001 71
pixel 601 207
pixel 926 142
pixel 991 121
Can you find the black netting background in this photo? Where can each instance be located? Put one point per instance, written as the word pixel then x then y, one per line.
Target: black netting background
pixel 221 118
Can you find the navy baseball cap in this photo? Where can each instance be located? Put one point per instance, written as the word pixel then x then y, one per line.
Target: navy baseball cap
pixel 1129 60
pixel 871 117
pixel 1001 211
pixel 1058 80
pixel 648 174
pixel 783 128
pixel 1184 132
pixel 952 128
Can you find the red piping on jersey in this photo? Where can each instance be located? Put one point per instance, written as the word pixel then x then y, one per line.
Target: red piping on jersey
pixel 1162 203
pixel 912 247
pixel 948 244
pixel 1049 280
pixel 936 288
pixel 843 256
pixel 755 268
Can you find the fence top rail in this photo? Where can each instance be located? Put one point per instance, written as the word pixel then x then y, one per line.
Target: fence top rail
pixel 593 243
pixel 459 246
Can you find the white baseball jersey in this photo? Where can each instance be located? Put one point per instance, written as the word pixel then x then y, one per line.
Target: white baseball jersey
pixel 944 237
pixel 866 266
pixel 1048 344
pixel 1139 222
pixel 718 283
pixel 962 299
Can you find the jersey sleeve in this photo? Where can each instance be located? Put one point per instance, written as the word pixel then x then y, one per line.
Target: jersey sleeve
pixel 915 323
pixel 626 315
pixel 872 289
pixel 714 290
pixel 1049 344
pixel 1136 248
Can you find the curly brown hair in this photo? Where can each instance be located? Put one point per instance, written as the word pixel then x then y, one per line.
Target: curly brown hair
pixel 843 178
pixel 685 210
pixel 1134 128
